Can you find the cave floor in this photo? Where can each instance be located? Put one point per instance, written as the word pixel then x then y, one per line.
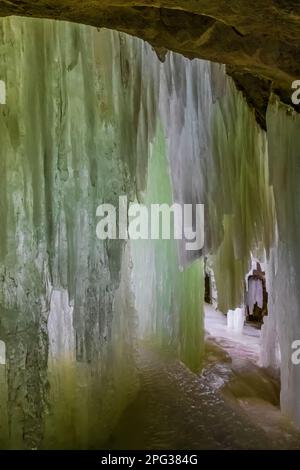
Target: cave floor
pixel 231 404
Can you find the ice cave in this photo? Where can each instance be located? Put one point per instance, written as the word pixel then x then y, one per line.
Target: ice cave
pixel 136 342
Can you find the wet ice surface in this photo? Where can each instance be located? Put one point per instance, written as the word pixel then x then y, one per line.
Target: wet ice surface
pixel 241 380
pixel 231 404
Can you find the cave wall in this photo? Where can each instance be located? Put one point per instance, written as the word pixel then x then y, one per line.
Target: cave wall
pixel 65 148
pixel 283 273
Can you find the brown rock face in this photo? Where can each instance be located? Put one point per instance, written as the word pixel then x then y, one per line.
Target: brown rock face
pixel 259 40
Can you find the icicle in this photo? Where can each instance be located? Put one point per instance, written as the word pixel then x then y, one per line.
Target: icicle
pixel 283 270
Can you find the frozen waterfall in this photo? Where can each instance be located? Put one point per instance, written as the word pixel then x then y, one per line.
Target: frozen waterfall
pixel 91 115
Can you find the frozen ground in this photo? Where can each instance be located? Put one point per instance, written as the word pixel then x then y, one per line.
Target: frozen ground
pixel 238 345
pixel 232 403
pixel 233 367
